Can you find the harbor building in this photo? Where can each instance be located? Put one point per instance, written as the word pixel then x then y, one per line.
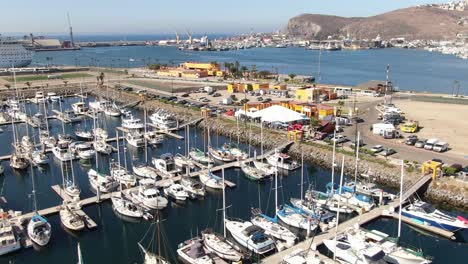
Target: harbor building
pixel 319 111
pixel 212 69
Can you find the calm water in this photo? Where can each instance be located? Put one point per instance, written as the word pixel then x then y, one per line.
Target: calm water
pixel 415 70
pixel 115 240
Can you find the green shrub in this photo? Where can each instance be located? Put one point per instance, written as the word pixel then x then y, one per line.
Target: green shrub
pixel 449 171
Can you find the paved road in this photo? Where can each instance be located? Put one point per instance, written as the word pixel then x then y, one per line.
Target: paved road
pixel 403 151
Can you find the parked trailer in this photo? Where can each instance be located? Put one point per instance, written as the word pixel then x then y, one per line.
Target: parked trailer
pixel 379 128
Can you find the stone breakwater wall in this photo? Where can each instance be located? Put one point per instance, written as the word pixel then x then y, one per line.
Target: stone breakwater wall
pixel 444 191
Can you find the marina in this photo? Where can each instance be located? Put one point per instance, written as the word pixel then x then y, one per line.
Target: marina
pixel 90 202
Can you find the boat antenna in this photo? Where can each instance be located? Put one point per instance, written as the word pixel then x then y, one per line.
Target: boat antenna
pixel 333 162
pixel 357 158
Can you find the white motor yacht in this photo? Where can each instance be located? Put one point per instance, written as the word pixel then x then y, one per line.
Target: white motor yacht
pixel 135 139
pixel 62 151
pixel 192 187
pixel 39 157
pixel 282 161
pixel 83 150
pixel 79 108
pixel 18 161
pixel 250 236
pixel 149 196
pixel 9 240
pixel 154 138
pixel 165 165
pixel 176 191
pixel 164 120
pixel 123 176
pixel 132 123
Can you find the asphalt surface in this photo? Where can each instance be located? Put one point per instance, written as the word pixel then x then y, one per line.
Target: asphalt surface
pixel 405 152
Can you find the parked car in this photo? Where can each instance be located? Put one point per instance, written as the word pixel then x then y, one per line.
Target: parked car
pixel 411 140
pixel 267 100
pixel 430 143
pixel 357 119
pixel 259 99
pixel 340 139
pixel 185 95
pixel 216 95
pixel 438 160
pixel 420 143
pixel 463 172
pixel 387 152
pixel 353 144
pixel 377 149
pixel 440 147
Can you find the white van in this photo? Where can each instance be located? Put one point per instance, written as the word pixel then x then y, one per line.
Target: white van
pixel 430 143
pixel 440 146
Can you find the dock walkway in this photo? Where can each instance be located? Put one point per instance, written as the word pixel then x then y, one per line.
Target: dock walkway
pixel 387 210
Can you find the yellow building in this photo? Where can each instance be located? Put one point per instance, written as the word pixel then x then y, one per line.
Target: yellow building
pixel 260 86
pixel 211 68
pixel 281 87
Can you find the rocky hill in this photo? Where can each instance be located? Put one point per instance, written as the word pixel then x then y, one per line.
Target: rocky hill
pixel 410 23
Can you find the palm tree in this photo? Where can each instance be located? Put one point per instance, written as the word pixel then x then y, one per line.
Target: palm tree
pixel 101 78
pixel 65 83
pixel 28 84
pixel 292 76
pixel 243 69
pixel 8 86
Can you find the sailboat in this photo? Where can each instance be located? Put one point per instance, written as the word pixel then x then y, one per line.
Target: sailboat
pixel 100 138
pixel 39 230
pixel 142 169
pixel 200 156
pixel 271 226
pixel 101 182
pixel 192 252
pixel 71 188
pixel 150 257
pixel 69 218
pixel 17 160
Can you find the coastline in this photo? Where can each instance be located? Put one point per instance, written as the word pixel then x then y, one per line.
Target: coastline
pixel 442 191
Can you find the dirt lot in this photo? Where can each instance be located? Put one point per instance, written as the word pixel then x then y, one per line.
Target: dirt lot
pixel 447 122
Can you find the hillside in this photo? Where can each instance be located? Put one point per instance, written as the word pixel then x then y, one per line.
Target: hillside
pixel 411 23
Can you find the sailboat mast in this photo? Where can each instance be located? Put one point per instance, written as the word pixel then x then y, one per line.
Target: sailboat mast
pixel 72 172
pixel 146 143
pixel 238 132
pixel 276 189
pixel 118 146
pixel 357 158
pixel 224 205
pixel 33 190
pixel 125 156
pixel 159 235
pixel 401 198
pixel 302 174
pixel 261 137
pixel 95 139
pixel 46 118
pixel 333 161
pixel 188 140
pixel 63 124
pixel 339 207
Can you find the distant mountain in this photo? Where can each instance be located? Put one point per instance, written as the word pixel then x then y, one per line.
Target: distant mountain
pixel 411 23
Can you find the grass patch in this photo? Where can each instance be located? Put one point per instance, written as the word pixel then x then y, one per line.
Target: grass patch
pixel 43 77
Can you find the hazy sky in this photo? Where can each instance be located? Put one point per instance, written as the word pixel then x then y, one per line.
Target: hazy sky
pixel 165 16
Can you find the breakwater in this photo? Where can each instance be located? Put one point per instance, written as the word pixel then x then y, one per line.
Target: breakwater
pixel 446 191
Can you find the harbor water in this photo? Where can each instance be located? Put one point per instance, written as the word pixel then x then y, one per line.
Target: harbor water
pixel 410 70
pixel 115 240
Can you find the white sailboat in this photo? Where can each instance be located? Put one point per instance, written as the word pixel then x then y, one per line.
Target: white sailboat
pixel 69 218
pixel 150 257
pixel 192 252
pixel 39 229
pixel 271 226
pixel 70 186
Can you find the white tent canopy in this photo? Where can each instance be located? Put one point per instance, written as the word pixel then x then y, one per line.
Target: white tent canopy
pixel 278 113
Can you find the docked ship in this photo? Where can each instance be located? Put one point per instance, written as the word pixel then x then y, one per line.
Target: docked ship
pixel 13 53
